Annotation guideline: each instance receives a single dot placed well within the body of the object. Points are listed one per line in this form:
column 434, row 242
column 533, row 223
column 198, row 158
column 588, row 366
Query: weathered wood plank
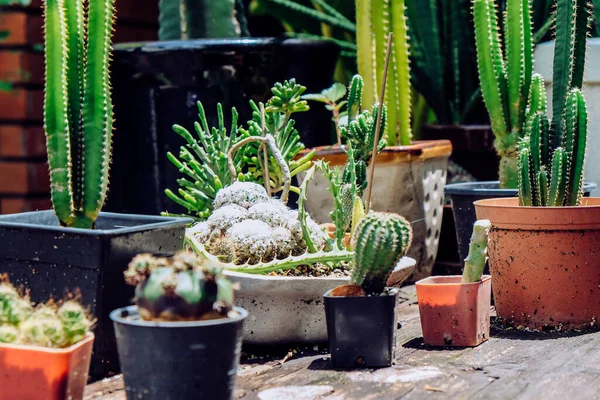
column 510, row 365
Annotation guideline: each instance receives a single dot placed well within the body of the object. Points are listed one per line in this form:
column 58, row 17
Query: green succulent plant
column 78, row 112
column 477, row 258
column 380, row 241
column 552, row 154
column 199, row 19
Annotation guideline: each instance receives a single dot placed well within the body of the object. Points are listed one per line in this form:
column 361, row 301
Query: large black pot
column 361, row 330
column 464, row 194
column 51, row 260
column 158, row 84
column 178, row 360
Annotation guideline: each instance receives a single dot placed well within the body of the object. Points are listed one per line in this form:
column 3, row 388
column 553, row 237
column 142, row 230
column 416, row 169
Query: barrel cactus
column 46, row 325
column 380, row 241
column 179, row 288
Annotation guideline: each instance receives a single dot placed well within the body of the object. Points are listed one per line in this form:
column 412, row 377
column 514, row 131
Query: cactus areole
column 78, row 112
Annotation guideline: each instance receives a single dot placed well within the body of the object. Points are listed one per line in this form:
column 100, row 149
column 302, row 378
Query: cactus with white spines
column 505, row 74
column 380, row 241
column 78, row 112
column 552, row 154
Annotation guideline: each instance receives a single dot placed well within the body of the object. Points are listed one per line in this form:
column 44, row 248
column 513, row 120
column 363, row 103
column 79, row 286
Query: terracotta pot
column 454, row 313
column 409, row 180
column 544, row 263
column 330, row 229
column 39, row 373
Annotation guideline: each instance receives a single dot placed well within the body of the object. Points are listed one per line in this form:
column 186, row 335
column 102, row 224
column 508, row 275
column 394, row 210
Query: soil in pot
column 454, row 313
column 544, row 263
column 178, row 360
column 37, row 373
column 361, row 329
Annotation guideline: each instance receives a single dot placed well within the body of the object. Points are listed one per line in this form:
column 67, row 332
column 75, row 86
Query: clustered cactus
column 475, row 261
column 45, row 325
column 179, row 288
column 552, row 154
column 380, row 241
column 201, row 19
column 249, row 227
column 505, row 75
column 78, row 113
column 204, row 160
column 374, row 20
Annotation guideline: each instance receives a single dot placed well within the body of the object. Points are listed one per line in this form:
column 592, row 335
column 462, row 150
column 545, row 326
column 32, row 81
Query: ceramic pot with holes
column 409, row 180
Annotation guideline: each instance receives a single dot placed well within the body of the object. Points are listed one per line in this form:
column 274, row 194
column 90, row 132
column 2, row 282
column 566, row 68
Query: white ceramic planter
column 544, row 56
column 285, row 309
column 409, row 180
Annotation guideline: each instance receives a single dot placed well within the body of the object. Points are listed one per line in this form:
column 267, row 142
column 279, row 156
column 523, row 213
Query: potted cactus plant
column 77, row 246
column 205, row 53
column 361, row 322
column 455, row 310
column 543, row 245
column 182, row 339
column 45, row 349
column 505, row 74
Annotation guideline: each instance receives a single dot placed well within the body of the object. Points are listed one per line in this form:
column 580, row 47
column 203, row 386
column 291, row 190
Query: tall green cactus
column 199, row 19
column 374, row 19
column 505, row 76
column 78, row 112
column 380, row 241
column 552, row 155
column 475, row 261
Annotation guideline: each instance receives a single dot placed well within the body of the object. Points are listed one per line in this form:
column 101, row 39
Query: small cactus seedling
column 475, row 261
column 46, row 325
column 552, row 154
column 78, row 113
column 179, row 288
column 380, row 241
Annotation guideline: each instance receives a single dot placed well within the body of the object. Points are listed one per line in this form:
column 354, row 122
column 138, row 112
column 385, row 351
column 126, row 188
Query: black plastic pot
column 178, row 360
column 464, row 194
column 361, row 330
column 157, row 84
column 51, row 260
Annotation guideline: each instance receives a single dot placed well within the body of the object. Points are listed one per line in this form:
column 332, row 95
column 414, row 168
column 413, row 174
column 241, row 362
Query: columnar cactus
column 78, row 113
column 552, row 155
column 374, row 19
column 47, row 325
column 475, row 261
column 178, row 288
column 201, row 19
column 380, row 241
column 505, row 76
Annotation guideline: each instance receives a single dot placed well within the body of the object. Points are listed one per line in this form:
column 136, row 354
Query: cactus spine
column 552, row 155
column 374, row 19
column 475, row 262
column 199, row 19
column 505, row 76
column 380, row 241
column 78, row 113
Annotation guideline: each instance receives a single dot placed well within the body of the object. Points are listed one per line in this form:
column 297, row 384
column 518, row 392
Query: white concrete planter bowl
column 284, row 309
column 409, row 180
column 544, row 60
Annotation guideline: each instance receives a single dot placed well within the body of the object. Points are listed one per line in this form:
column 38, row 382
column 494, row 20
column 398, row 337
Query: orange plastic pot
column 38, row 373
column 454, row 313
column 544, row 263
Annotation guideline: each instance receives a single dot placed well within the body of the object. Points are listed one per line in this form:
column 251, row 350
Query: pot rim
column 116, row 317
column 418, row 150
column 28, row 347
column 392, row 291
column 429, row 281
column 505, row 213
column 472, row 189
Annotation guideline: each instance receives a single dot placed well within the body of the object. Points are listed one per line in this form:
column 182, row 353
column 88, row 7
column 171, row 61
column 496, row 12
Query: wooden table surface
column 511, row 365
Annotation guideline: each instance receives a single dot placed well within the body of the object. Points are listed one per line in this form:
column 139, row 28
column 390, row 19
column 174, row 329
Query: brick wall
column 24, row 184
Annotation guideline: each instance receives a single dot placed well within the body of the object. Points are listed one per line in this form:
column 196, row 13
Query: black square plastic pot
column 51, row 260
column 178, row 360
column 361, row 330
